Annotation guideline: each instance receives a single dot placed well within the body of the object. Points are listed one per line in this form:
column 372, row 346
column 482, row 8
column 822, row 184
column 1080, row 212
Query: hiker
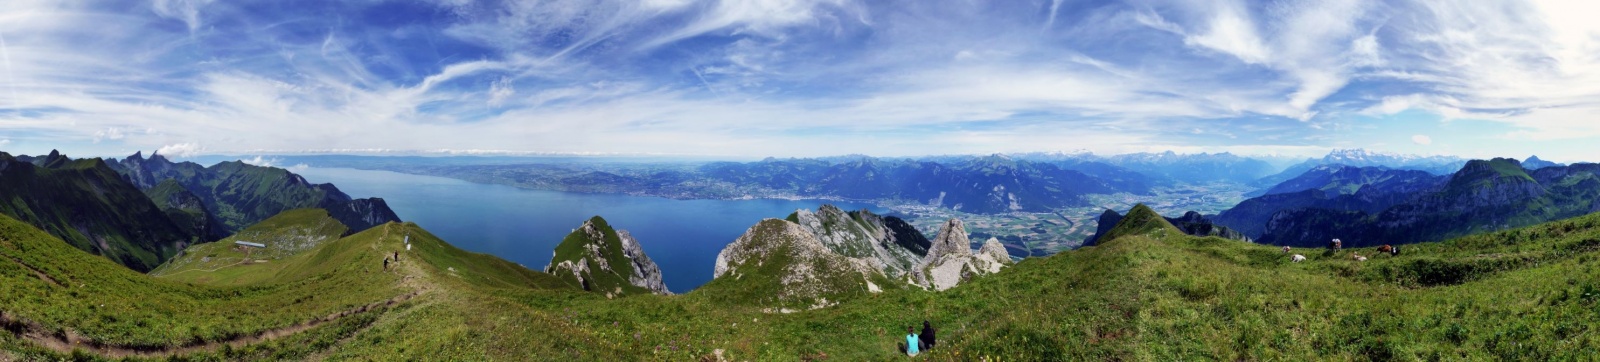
column 909, row 347
column 385, row 263
column 396, row 256
column 927, row 335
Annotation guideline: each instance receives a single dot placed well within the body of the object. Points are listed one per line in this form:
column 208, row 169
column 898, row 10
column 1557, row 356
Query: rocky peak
column 994, row 251
column 952, row 240
column 888, row 244
column 808, row 274
column 951, row 261
column 600, row 259
column 1534, row 163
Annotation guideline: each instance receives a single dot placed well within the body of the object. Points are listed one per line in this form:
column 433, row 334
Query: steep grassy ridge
column 89, row 206
column 69, row 292
column 1146, row 293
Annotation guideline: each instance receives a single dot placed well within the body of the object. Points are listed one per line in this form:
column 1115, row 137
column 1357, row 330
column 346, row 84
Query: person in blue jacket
column 910, row 346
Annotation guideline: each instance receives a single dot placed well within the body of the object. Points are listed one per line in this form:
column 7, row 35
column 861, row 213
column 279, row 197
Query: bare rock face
column 950, row 261
column 889, row 246
column 813, row 258
column 646, row 273
column 991, row 257
column 808, row 272
column 597, row 258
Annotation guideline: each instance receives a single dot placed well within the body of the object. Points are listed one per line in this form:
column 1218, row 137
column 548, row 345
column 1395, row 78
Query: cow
column 1285, row 249
column 1357, row 257
column 1386, row 249
column 1297, row 258
column 1336, row 245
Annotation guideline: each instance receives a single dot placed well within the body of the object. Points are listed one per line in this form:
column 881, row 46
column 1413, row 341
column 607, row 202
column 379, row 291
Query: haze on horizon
column 800, row 77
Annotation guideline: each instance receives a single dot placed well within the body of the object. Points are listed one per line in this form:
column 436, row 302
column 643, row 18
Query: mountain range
column 1438, row 165
column 141, row 212
column 1397, row 207
column 819, row 285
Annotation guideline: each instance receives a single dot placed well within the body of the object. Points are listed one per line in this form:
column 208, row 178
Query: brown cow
column 1392, row 251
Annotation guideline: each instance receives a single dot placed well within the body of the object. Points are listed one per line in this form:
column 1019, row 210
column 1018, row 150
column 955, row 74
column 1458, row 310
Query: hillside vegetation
column 1147, row 292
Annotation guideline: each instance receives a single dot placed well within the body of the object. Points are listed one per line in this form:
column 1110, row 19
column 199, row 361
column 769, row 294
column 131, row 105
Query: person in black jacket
column 927, row 335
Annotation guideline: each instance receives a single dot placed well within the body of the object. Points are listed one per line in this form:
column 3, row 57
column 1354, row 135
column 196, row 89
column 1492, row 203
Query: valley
column 1043, row 234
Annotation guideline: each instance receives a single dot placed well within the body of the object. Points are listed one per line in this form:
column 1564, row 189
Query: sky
column 800, row 77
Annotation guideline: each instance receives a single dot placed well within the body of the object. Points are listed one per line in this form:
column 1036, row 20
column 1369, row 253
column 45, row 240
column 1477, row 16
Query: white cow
column 1298, row 258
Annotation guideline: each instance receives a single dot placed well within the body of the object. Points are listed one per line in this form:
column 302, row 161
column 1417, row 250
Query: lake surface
column 524, row 226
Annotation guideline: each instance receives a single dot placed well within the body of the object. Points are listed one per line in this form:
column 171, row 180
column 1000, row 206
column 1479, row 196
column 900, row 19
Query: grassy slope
column 1147, row 295
column 84, row 202
column 286, row 235
column 105, row 302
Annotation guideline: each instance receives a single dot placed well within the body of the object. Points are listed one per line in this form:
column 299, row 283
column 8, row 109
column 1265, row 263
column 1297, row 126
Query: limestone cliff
column 780, row 264
column 600, row 259
column 950, row 261
column 887, row 244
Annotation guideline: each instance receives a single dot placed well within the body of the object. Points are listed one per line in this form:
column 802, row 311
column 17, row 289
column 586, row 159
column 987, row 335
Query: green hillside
column 1148, row 293
column 573, row 248
column 237, row 194
column 286, row 235
column 89, row 206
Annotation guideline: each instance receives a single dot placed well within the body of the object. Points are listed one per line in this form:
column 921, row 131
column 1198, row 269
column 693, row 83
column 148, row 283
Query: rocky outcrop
column 597, row 258
column 1107, row 220
column 888, row 244
column 360, row 214
column 832, row 254
column 1193, row 223
column 646, row 273
column 950, row 261
column 801, row 270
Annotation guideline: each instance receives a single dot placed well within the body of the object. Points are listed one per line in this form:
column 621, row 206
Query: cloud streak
column 794, row 77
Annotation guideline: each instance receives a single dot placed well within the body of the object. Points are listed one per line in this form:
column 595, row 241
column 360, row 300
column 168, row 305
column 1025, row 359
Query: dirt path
column 413, row 278
column 36, row 272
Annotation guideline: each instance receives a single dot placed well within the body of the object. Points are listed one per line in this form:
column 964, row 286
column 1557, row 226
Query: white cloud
column 4, row 142
column 1232, row 31
column 499, row 91
column 261, row 161
column 110, row 133
column 187, row 11
column 181, row 150
column 1422, row 140
column 786, row 77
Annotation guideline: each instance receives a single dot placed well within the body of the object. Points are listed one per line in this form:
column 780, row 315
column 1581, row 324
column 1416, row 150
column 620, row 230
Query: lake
column 524, row 226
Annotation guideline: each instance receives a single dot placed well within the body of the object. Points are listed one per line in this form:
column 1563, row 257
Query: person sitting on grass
column 909, row 347
column 927, row 335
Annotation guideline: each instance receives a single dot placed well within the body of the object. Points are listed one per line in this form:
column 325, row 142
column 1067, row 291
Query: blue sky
column 800, row 77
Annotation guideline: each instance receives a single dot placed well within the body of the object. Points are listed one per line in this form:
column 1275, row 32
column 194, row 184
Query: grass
column 1150, row 293
column 574, row 248
column 286, row 235
column 104, row 302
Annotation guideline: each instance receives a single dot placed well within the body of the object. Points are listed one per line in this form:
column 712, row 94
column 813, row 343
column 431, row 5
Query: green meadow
column 1148, row 293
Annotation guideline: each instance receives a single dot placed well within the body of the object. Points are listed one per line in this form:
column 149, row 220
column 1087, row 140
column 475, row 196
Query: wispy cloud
column 789, row 77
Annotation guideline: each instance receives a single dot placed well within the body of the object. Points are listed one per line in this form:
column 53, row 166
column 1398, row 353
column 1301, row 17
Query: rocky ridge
column 597, row 258
column 887, row 244
column 806, row 272
column 831, row 254
column 951, row 260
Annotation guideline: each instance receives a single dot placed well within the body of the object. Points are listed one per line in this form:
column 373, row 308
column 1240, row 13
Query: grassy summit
column 1147, row 293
